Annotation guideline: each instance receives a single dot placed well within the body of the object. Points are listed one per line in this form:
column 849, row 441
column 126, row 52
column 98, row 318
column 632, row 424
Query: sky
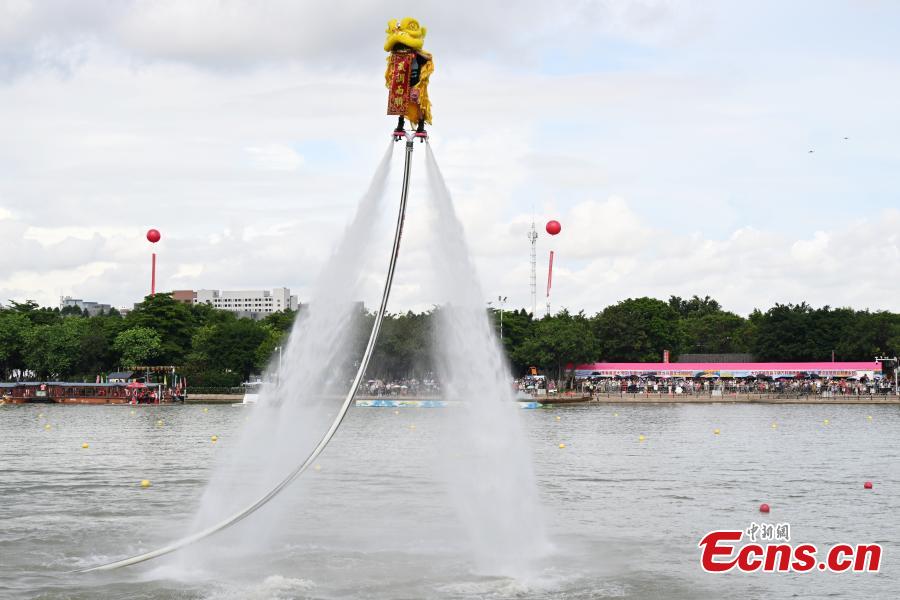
column 749, row 151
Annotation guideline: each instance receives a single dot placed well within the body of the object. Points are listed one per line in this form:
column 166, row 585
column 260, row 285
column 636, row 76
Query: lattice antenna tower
column 532, row 238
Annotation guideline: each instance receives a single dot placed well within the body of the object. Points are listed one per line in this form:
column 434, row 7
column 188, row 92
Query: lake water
column 624, row 515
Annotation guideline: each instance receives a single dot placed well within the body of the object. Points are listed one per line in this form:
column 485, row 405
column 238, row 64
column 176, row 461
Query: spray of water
column 299, row 402
column 487, row 464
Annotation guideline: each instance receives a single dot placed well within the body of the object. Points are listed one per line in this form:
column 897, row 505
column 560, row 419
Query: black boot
column 420, row 130
column 399, row 132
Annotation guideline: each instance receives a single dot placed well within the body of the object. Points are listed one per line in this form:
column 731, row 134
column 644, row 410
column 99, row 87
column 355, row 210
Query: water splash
column 487, row 463
column 317, row 365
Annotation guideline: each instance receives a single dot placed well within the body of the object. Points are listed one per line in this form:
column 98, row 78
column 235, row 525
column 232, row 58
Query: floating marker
column 716, row 431
column 825, row 421
column 145, row 483
column 47, row 426
column 413, row 426
column 763, row 508
column 869, row 417
column 558, row 418
column 641, row 438
column 868, row 485
column 214, row 438
column 132, row 411
column 318, row 467
column 562, row 445
column 85, row 445
column 396, row 412
column 159, row 423
column 40, row 415
column 615, row 414
column 205, row 410
column 774, row 425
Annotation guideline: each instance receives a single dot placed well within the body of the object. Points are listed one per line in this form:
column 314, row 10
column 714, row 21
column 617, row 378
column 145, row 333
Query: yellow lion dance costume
column 406, row 77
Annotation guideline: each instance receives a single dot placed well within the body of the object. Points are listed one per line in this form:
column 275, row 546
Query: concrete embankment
column 213, row 398
column 625, row 398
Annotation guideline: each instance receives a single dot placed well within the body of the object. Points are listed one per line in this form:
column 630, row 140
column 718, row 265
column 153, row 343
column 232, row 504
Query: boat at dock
column 64, row 392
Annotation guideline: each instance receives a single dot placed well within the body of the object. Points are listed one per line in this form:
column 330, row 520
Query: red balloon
column 553, row 227
column 763, row 508
column 868, row 485
column 153, row 236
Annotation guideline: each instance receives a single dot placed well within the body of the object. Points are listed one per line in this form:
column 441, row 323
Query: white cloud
column 246, row 132
column 275, row 157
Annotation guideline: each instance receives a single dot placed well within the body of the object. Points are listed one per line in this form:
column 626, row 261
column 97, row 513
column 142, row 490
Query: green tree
column 275, row 338
column 54, row 351
column 718, row 332
column 172, row 320
column 518, row 326
column 695, row 306
column 228, row 347
column 14, row 330
column 97, row 354
column 403, row 348
column 557, row 341
column 138, row 346
column 638, row 329
column 282, row 320
column 35, row 313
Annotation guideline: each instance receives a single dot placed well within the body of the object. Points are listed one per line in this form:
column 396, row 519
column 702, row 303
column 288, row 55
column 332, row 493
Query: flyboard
column 407, row 79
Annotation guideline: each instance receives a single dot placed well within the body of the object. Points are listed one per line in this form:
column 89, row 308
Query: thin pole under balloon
column 153, row 275
column 549, row 281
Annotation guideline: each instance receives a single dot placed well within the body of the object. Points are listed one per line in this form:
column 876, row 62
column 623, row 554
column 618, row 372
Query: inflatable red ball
column 868, row 485
column 153, row 236
column 763, row 508
column 553, row 227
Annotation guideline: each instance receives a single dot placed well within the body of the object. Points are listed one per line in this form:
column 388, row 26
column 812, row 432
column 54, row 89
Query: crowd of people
column 541, row 385
column 401, row 387
column 715, row 386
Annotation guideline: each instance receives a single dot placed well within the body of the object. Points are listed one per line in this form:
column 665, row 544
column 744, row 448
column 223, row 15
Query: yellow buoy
column 825, row 421
column 774, row 425
column 615, row 414
column 869, row 417
column 159, row 423
column 214, row 438
column 413, row 426
column 562, row 445
column 40, row 415
column 716, row 431
column 47, row 426
column 85, row 445
column 132, row 411
column 558, row 417
column 205, row 410
column 641, row 438
column 145, row 483
column 318, row 467
column 396, row 412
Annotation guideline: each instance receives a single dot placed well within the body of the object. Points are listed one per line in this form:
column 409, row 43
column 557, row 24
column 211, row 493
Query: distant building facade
column 254, row 304
column 92, row 308
column 185, row 296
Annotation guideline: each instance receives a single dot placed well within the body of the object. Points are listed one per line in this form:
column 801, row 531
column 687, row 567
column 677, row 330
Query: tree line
column 216, row 348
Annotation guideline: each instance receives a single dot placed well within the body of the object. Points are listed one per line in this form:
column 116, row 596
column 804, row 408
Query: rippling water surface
column 625, row 515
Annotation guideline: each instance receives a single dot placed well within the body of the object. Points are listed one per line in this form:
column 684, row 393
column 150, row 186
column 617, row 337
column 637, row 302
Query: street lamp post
column 501, row 300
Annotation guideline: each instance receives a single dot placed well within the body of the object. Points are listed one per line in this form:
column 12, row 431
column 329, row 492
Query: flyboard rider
column 406, row 77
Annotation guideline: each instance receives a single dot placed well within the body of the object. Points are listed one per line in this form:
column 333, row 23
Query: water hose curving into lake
column 326, row 438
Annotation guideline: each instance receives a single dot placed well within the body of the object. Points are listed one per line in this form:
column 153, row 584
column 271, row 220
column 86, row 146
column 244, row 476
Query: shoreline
column 624, row 399
column 742, row 399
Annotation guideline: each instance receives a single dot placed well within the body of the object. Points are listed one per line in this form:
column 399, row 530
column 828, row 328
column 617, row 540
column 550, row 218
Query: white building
column 252, row 303
column 93, row 308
